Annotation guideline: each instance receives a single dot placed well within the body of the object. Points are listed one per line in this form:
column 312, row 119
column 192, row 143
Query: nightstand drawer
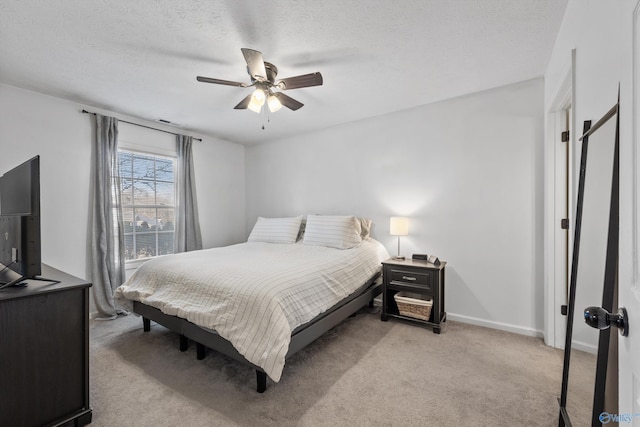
column 420, row 278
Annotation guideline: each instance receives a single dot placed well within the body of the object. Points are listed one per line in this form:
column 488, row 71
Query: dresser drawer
column 421, row 278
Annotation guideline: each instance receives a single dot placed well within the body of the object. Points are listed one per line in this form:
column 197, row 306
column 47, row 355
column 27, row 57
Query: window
column 148, row 203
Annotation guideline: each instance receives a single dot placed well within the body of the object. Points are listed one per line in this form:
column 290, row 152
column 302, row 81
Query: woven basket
column 413, row 307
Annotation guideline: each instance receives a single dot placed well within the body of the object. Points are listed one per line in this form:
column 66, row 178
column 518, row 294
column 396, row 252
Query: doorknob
column 599, row 318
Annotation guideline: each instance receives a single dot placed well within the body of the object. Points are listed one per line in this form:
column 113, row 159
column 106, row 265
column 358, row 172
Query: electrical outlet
column 14, row 254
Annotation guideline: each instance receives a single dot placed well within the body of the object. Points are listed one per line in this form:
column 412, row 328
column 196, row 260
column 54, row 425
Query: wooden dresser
column 44, row 352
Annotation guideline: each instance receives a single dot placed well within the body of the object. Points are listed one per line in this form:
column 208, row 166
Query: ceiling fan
column 263, row 77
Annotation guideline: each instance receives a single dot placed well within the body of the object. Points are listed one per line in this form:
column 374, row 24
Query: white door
column 629, row 285
column 629, row 297
column 629, row 355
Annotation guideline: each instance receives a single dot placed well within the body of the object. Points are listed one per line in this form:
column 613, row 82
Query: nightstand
column 418, row 278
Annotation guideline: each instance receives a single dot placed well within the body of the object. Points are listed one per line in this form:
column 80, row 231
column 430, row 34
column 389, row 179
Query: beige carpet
column 362, row 373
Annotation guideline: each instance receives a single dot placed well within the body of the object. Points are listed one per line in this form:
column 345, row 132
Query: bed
column 262, row 301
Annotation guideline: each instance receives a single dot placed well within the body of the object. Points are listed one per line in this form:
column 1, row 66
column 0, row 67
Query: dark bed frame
column 300, row 338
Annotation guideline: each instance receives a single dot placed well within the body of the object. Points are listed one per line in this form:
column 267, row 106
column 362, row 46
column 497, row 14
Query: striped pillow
column 276, row 230
column 341, row 232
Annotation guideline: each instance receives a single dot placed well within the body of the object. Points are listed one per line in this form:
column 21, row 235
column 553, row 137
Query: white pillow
column 276, row 230
column 341, row 232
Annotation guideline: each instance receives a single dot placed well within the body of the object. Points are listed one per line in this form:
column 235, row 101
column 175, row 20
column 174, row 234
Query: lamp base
column 398, row 257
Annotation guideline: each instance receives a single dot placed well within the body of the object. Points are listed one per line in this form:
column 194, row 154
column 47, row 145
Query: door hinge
column 563, row 309
column 564, row 223
column 565, row 136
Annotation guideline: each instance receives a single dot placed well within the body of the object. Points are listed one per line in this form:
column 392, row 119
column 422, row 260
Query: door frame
column 558, row 242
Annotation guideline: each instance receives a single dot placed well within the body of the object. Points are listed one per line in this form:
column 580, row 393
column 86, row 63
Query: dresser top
column 51, row 280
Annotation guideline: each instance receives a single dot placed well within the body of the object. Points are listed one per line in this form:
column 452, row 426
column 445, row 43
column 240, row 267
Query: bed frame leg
column 371, row 303
column 146, row 324
column 201, row 351
column 262, row 381
column 184, row 343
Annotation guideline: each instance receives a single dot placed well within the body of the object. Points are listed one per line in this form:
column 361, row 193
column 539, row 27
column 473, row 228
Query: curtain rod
column 143, row 126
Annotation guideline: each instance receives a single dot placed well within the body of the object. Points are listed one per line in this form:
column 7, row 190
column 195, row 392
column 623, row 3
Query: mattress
column 253, row 294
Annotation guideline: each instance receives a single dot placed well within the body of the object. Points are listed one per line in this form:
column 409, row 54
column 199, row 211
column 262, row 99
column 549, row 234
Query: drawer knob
column 409, row 278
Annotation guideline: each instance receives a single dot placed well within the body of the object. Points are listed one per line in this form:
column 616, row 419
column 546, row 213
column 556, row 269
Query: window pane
column 145, row 219
column 129, row 250
column 126, row 192
column 143, row 166
column 144, row 192
column 124, row 160
column 145, row 245
column 165, row 219
column 165, row 242
column 164, row 170
column 127, row 219
column 165, row 193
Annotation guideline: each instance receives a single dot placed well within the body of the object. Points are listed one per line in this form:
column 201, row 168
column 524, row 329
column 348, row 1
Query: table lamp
column 399, row 226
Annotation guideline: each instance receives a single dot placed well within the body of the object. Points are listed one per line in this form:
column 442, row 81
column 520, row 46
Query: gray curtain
column 187, row 230
column 107, row 241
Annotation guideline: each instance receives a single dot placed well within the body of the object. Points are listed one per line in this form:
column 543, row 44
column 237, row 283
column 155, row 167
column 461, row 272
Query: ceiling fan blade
column 288, row 102
column 220, row 82
column 255, row 64
column 305, row 80
column 242, row 105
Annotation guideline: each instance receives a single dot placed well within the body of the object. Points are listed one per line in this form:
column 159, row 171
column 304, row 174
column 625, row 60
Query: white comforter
column 253, row 294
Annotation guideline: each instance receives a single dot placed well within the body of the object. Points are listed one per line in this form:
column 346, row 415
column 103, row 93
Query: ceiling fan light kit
column 263, row 78
column 257, row 100
column 273, row 103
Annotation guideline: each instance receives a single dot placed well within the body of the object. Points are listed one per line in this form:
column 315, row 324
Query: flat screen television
column 20, row 223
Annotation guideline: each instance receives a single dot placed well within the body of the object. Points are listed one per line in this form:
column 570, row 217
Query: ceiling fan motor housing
column 272, row 72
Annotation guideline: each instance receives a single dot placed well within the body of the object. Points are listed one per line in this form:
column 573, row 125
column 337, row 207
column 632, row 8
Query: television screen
column 20, row 189
column 20, row 223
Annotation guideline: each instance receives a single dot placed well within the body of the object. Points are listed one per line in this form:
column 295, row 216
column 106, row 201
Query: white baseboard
column 582, row 346
column 485, row 323
column 495, row 325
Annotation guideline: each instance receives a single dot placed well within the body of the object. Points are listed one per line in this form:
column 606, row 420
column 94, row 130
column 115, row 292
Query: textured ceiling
column 140, row 58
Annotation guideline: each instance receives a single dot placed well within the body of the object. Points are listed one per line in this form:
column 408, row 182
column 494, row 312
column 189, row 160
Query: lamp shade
column 399, row 226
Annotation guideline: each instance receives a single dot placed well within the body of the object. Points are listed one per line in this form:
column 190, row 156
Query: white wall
column 468, row 172
column 32, row 123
